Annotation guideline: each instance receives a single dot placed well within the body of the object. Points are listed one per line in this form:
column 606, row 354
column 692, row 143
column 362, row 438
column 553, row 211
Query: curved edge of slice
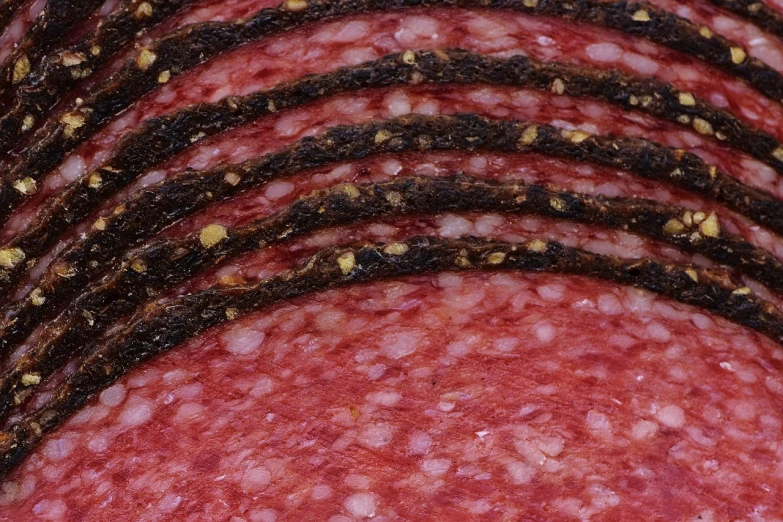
column 191, row 46
column 154, row 208
column 162, row 265
column 159, row 329
column 160, row 138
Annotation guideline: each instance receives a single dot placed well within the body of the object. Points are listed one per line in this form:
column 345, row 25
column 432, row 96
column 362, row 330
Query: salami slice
column 151, row 210
column 163, row 137
column 644, row 419
column 161, row 266
column 185, row 49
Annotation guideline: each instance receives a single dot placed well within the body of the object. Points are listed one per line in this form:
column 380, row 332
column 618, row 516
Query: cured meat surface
column 393, row 260
column 492, row 394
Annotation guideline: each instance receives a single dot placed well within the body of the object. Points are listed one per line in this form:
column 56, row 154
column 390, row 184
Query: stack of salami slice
column 396, row 260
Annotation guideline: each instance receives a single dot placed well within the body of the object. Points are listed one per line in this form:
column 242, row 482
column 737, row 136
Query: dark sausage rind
column 194, row 45
column 161, row 138
column 158, row 329
column 757, row 12
column 58, row 73
column 152, row 209
column 162, row 265
column 57, row 18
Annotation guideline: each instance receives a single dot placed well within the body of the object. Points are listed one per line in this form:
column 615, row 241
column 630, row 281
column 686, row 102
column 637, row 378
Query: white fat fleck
column 58, row 449
column 552, row 292
column 505, row 344
column 50, row 509
column 361, row 505
column 419, row 443
column 73, row 168
column 452, row 227
column 188, row 412
column 113, row 396
column 136, row 412
column 384, row 398
column 644, row 429
column 545, row 332
column 435, row 467
column 610, row 305
column 458, row 349
column 398, row 104
column 671, row 416
column 658, row 332
column 482, row 434
column 169, row 502
column 397, row 345
column 321, row 492
column 598, row 422
column 640, row 64
column 376, row 435
column 604, row 52
column 520, row 472
column 242, row 340
column 256, row 479
column 278, row 189
column 376, row 372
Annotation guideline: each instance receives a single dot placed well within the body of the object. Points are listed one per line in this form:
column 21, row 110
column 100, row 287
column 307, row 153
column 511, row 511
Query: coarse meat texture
column 451, row 396
column 391, row 260
column 365, row 37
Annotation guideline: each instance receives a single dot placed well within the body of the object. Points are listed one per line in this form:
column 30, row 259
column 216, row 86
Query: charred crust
column 161, row 265
column 152, row 209
column 160, row 138
column 160, row 328
column 188, row 47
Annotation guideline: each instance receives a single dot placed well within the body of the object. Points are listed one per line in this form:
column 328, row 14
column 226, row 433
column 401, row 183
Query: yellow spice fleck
column 394, row 198
column 139, row 266
column 687, row 99
column 31, row 379
column 73, row 121
column 778, row 153
column 557, row 204
column 558, row 86
column 10, row 257
column 95, row 50
column 144, row 9
column 346, row 262
column 463, row 262
column 743, row 290
column 232, row 178
column 530, row 3
column 496, row 258
column 702, row 126
column 706, row 32
column 145, row 59
column 381, row 136
column 692, row 274
column 396, row 249
column 641, row 16
column 536, row 246
column 28, row 123
column 100, row 224
column 21, row 69
column 698, row 217
column 710, row 227
column 64, row 270
column 231, row 313
column 529, row 135
column 295, row 5
column 213, row 234
column 409, row 57
column 575, row 136
column 26, row 186
column 687, row 218
column 351, row 191
column 674, row 226
column 95, row 180
column 37, row 297
column 738, row 55
column 164, row 77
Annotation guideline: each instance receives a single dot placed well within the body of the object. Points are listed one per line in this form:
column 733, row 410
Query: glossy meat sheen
column 405, row 429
